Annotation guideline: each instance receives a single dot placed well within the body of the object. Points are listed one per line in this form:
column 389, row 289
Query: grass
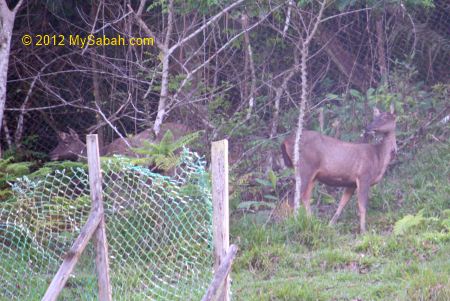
column 305, row 259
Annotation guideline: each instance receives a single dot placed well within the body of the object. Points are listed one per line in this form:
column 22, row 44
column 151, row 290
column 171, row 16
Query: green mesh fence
column 159, row 232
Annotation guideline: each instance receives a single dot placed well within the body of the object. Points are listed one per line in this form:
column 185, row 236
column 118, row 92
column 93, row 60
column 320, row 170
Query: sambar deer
column 70, row 146
column 355, row 166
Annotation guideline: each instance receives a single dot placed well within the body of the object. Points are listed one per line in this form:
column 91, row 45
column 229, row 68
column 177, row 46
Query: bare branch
column 224, row 46
column 201, row 28
column 145, row 28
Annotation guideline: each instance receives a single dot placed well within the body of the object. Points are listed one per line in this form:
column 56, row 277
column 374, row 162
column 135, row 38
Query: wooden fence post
column 100, row 242
column 217, row 284
column 219, row 164
column 94, row 227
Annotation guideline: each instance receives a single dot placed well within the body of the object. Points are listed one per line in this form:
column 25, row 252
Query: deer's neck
column 387, row 149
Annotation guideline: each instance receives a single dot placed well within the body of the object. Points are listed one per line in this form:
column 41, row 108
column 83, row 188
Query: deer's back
column 334, row 162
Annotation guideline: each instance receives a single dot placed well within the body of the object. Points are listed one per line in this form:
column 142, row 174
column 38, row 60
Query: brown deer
column 355, row 166
column 70, row 146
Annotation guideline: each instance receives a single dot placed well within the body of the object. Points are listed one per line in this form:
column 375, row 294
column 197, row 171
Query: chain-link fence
column 159, row 232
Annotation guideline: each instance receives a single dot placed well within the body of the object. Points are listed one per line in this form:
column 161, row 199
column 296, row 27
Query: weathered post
column 100, row 242
column 219, row 164
column 95, row 226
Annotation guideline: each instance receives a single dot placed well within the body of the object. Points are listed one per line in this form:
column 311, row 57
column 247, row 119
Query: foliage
column 415, row 106
column 261, row 192
column 163, row 155
column 9, row 171
column 426, row 229
column 26, row 150
column 53, row 166
column 409, row 221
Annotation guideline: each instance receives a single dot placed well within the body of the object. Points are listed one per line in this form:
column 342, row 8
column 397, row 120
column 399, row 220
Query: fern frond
column 162, row 154
column 167, row 139
column 408, row 222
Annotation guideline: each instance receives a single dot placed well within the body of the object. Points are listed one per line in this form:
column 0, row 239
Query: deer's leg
column 307, row 188
column 346, row 196
column 363, row 195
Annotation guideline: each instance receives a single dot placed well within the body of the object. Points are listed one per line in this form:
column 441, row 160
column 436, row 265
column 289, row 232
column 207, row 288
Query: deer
column 354, row 166
column 70, row 146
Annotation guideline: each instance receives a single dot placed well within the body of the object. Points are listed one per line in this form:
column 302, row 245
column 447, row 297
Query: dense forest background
column 228, row 68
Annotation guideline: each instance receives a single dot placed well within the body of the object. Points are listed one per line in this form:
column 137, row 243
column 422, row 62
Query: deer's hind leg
column 307, row 188
column 346, row 196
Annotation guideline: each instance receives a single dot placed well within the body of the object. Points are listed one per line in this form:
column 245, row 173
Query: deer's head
column 383, row 122
column 69, row 147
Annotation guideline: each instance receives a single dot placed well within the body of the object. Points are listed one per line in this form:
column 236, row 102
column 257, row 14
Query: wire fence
column 159, row 232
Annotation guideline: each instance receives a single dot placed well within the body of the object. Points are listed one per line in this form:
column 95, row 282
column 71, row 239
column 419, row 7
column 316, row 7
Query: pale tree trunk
column 164, row 94
column 165, row 72
column 7, row 17
column 96, row 79
column 304, row 87
column 248, row 47
column 276, row 108
column 298, row 133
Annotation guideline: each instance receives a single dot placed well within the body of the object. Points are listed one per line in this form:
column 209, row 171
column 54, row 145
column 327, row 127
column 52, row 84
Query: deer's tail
column 286, row 156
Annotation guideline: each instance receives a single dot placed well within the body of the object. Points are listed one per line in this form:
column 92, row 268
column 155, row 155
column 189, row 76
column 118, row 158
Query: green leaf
column 264, row 182
column 273, row 179
column 355, row 93
column 270, row 197
column 408, row 222
column 332, row 96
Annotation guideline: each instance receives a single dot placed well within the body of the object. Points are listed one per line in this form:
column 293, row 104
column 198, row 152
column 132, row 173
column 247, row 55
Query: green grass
column 305, row 259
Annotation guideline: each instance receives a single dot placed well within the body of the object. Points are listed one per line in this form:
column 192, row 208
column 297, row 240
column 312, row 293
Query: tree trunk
column 251, row 64
column 298, row 133
column 96, row 81
column 165, row 71
column 7, row 17
column 7, row 23
column 164, row 94
column 304, row 86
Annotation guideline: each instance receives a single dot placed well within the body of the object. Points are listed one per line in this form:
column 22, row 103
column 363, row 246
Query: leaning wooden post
column 219, row 164
column 101, row 246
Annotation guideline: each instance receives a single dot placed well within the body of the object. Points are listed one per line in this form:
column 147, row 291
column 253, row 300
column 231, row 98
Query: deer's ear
column 62, row 135
column 392, row 108
column 376, row 112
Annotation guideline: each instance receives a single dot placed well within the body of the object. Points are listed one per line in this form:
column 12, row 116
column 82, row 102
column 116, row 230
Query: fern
column 163, row 154
column 408, row 222
column 446, row 224
column 9, row 171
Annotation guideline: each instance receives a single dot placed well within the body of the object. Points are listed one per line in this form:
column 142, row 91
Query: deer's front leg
column 363, row 195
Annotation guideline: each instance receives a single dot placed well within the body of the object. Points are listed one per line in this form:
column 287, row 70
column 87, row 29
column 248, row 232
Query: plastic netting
column 159, row 232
